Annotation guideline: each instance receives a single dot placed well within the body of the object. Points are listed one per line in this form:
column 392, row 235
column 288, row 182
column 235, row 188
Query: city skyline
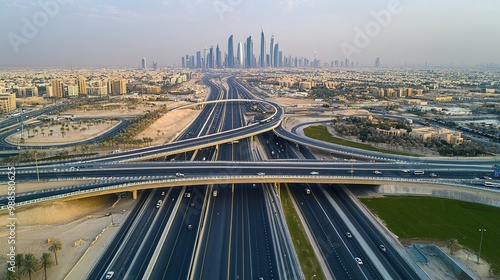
column 67, row 33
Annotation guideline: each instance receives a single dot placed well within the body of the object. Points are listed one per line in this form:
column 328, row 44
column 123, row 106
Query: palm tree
column 54, row 247
column 454, row 246
column 31, row 264
column 16, row 274
column 46, row 261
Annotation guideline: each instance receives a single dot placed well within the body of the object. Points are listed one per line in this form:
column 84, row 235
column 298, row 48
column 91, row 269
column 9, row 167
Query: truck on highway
column 419, row 172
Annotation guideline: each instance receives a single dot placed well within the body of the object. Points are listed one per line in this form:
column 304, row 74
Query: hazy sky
column 121, row 32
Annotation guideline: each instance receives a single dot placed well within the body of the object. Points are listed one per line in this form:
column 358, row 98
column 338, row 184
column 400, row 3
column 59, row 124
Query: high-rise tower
column 271, row 52
column 276, row 55
column 249, row 53
column 230, row 52
column 144, row 64
column 262, row 49
column 218, row 59
column 239, row 57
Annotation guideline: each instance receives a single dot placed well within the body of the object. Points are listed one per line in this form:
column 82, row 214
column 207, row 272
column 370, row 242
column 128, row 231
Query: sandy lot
column 169, row 125
column 83, row 131
column 75, row 223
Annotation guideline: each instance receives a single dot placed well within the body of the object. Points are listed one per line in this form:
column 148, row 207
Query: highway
column 243, row 225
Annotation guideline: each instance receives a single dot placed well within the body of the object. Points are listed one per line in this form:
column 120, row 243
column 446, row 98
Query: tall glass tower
column 262, row 49
column 249, row 53
column 230, row 52
column 271, row 52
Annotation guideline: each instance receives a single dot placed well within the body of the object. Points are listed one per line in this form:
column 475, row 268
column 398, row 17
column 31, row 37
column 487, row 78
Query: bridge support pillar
column 134, row 194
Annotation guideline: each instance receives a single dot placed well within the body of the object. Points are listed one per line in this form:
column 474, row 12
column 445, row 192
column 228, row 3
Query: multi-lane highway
column 187, row 231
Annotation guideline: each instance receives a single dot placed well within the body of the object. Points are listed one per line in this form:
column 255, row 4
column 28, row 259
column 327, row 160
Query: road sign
column 496, row 170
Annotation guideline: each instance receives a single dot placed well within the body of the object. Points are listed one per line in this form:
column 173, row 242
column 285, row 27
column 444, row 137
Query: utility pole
column 482, row 230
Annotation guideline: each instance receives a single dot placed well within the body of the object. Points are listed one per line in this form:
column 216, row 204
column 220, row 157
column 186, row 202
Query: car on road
column 487, row 177
column 350, row 171
column 314, row 173
column 382, row 248
column 261, row 173
column 190, row 227
column 348, row 234
column 110, row 274
column 433, row 175
column 376, row 172
column 187, row 194
column 358, row 260
column 178, row 174
column 308, row 191
column 162, row 193
column 158, row 204
column 405, row 170
column 476, row 178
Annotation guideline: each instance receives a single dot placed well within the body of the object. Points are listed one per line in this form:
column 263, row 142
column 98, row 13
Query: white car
column 261, row 173
column 110, row 274
column 433, row 175
column 314, row 173
column 405, row 170
column 376, row 172
column 358, row 260
column 179, row 174
column 382, row 248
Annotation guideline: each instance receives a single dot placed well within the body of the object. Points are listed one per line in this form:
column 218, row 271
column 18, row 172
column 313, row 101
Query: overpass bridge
column 116, row 178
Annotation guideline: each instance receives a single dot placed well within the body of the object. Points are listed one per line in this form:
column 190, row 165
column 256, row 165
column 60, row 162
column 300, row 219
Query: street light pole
column 482, row 230
column 313, row 276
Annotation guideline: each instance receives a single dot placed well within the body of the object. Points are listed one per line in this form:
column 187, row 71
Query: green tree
column 54, row 247
column 46, row 261
column 454, row 246
column 31, row 265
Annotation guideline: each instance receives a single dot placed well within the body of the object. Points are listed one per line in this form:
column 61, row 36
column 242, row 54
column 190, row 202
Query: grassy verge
column 441, row 219
column 308, row 262
column 321, row 133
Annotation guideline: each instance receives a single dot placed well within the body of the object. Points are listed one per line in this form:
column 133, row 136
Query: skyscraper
column 218, row 59
column 205, row 58
column 262, row 49
column 155, row 65
column 210, row 59
column 276, row 55
column 377, row 62
column 271, row 52
column 198, row 59
column 230, row 52
column 144, row 64
column 240, row 57
column 249, row 53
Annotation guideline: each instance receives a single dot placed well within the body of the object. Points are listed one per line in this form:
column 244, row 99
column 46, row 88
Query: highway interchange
column 188, row 232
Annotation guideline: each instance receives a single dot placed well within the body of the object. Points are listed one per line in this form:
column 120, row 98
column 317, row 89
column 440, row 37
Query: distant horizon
column 66, row 33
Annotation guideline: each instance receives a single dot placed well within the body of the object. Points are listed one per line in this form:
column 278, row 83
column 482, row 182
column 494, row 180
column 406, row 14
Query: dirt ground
column 75, row 223
column 167, row 127
column 90, row 130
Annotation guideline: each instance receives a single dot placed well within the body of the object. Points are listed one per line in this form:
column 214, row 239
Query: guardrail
column 249, row 178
